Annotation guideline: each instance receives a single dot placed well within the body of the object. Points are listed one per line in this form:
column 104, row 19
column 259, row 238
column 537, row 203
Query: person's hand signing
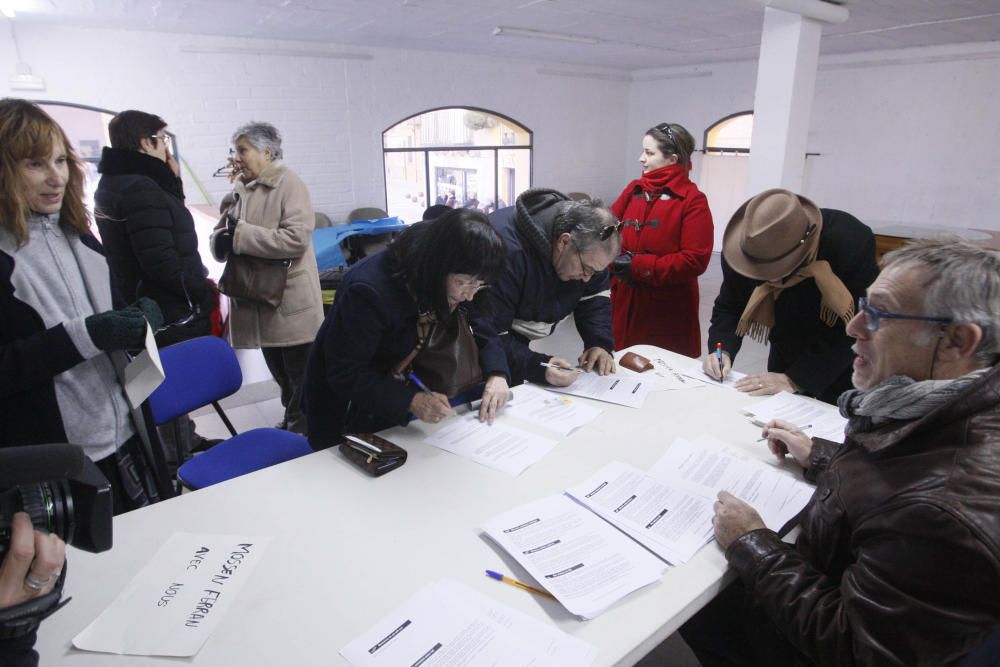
column 733, row 519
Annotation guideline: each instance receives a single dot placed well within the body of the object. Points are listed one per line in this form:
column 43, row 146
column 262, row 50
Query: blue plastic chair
column 203, row 371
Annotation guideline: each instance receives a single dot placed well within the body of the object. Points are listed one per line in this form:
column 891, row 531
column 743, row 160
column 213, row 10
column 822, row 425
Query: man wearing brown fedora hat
column 791, row 274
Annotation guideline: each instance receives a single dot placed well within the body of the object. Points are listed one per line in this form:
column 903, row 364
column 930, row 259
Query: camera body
column 62, row 491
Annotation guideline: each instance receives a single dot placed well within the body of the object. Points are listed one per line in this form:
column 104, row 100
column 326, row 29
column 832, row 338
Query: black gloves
column 222, row 243
column 124, row 329
column 621, row 266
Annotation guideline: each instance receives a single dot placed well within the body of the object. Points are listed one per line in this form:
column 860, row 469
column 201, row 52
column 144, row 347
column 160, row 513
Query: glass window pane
column 732, row 132
column 462, row 178
column 405, row 185
column 515, row 175
column 456, row 127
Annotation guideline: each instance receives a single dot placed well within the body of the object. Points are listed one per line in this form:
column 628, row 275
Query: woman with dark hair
column 63, row 330
column 666, row 244
column 382, row 327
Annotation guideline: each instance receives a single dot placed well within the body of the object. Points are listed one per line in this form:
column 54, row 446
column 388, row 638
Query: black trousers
column 731, row 632
column 288, row 367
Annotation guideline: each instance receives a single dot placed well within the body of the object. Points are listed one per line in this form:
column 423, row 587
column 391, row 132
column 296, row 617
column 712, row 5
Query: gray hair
column 583, row 221
column 963, row 285
column 263, row 136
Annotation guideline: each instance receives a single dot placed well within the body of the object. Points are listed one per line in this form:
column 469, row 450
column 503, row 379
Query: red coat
column 671, row 236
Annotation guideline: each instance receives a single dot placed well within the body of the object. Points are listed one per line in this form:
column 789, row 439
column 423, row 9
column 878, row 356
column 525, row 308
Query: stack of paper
column 499, row 446
column 670, row 519
column 620, row 389
column 712, row 466
column 695, row 372
column 554, row 412
column 813, row 418
column 583, row 561
column 447, row 623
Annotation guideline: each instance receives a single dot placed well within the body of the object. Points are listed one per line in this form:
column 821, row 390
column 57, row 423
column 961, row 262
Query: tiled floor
column 256, row 405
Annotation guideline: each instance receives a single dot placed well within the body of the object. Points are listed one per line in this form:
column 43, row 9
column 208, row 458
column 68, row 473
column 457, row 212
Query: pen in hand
column 561, row 368
column 424, row 388
column 514, row 582
column 797, row 429
column 718, row 355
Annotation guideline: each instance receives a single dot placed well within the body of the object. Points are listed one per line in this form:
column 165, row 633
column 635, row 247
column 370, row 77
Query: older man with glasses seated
column 898, row 560
column 558, row 252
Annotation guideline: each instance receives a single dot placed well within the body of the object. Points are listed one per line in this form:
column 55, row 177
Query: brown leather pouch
column 373, row 454
column 635, row 362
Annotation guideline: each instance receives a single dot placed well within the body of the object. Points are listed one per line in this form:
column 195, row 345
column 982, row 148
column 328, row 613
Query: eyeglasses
column 472, row 284
column 165, row 138
column 873, row 316
column 588, row 271
column 192, row 311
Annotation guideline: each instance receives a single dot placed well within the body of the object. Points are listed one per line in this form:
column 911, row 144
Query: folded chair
column 203, row 371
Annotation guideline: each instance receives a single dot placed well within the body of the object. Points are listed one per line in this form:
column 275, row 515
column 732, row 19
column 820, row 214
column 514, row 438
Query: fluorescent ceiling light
column 505, row 31
column 7, row 9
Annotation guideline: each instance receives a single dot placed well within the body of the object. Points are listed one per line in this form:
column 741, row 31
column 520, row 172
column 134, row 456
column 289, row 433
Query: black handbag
column 255, row 278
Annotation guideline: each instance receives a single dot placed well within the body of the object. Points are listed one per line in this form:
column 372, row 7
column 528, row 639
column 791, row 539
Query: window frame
column 427, row 150
column 720, row 150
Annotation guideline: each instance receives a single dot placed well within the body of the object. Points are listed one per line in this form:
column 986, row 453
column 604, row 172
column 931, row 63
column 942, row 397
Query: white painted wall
column 904, row 136
column 330, row 112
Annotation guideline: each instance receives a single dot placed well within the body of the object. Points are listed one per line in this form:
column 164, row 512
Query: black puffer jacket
column 898, row 561
column 150, row 239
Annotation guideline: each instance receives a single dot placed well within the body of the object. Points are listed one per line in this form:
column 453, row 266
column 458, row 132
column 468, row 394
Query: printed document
column 625, row 390
column 696, row 372
column 172, row 606
column 583, row 561
column 554, row 412
column 670, row 518
column 499, row 446
column 815, row 419
column 712, row 466
column 449, row 624
column 144, row 372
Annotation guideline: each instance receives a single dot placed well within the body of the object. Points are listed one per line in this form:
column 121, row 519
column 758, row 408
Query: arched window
column 458, row 156
column 730, row 134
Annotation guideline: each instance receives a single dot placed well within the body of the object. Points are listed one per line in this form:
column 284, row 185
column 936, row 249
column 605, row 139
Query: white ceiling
column 633, row 34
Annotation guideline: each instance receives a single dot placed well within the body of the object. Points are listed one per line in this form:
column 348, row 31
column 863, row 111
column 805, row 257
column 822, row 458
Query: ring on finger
column 36, row 584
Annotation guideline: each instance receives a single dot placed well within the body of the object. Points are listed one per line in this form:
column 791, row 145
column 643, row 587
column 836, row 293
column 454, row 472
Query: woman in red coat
column 666, row 244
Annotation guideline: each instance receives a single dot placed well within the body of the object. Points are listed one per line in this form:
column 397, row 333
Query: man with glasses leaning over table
column 558, row 251
column 898, row 561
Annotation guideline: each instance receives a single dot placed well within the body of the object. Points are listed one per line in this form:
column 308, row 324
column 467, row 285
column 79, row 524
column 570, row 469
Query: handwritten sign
column 172, row 606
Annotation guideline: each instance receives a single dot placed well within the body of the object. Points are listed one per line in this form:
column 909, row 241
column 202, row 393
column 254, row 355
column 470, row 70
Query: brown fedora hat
column 771, row 234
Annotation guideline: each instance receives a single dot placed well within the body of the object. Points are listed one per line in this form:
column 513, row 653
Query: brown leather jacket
column 898, row 561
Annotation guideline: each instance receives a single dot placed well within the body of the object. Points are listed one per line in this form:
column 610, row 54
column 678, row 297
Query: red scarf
column 656, row 181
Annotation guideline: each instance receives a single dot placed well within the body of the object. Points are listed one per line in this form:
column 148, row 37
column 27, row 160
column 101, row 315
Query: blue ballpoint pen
column 718, row 354
column 417, row 381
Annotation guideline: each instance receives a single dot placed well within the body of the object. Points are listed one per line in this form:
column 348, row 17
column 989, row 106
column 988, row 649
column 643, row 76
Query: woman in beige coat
column 272, row 218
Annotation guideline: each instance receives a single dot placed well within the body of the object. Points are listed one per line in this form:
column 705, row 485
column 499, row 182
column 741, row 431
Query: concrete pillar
column 786, row 78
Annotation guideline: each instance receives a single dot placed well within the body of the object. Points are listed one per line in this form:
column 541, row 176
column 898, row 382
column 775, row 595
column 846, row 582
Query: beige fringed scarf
column 837, row 302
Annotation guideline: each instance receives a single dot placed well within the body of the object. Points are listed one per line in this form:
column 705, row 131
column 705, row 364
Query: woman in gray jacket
column 272, row 218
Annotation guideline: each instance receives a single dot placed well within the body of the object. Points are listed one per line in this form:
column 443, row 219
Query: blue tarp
column 327, row 240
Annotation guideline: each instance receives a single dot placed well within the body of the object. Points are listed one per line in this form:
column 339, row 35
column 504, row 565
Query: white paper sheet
column 500, row 446
column 582, row 560
column 619, row 389
column 814, row 418
column 670, row 519
column 447, row 623
column 696, row 372
column 144, row 373
column 554, row 412
column 172, row 606
column 708, row 464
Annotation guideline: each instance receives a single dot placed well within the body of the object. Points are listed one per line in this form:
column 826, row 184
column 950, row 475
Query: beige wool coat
column 276, row 222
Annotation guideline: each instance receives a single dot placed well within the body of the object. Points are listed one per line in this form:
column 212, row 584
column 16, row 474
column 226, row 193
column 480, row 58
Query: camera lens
column 49, row 505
